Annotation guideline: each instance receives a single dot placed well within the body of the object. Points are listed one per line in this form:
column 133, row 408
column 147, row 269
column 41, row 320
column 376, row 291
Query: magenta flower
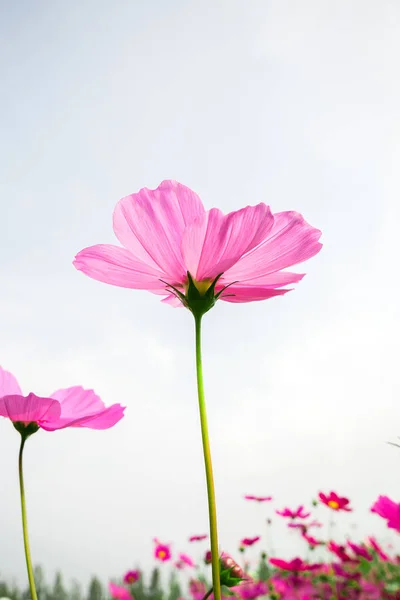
column 119, row 592
column 162, row 551
column 70, row 407
column 334, row 501
column 258, row 498
column 360, row 551
column 312, row 541
column 249, row 590
column 131, row 577
column 184, row 558
column 198, row 538
column 389, row 510
column 339, row 551
column 296, row 565
column 207, row 557
column 293, row 514
column 168, row 238
column 372, row 543
column 249, row 541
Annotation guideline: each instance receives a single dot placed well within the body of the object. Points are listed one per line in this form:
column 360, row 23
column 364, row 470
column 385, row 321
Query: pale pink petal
column 215, row 242
column 151, row 224
column 117, row 266
column 84, row 408
column 272, row 280
column 8, row 384
column 29, row 409
column 235, row 293
column 290, row 241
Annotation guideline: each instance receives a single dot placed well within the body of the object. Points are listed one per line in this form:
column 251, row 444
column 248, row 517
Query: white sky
column 294, row 104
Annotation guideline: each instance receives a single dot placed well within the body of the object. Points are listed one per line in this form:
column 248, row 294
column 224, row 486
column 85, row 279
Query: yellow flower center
column 333, row 504
column 162, row 554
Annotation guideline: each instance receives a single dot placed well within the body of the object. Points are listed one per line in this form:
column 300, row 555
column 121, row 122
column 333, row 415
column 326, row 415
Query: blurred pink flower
column 197, row 589
column 198, row 538
column 258, row 498
column 293, row 514
column 249, row 541
column 131, row 577
column 372, row 543
column 339, row 551
column 389, row 510
column 359, row 550
column 70, row 407
column 249, row 590
column 334, row 501
column 119, row 592
column 207, row 557
column 312, row 541
column 166, row 233
column 296, row 565
column 162, row 551
column 187, row 560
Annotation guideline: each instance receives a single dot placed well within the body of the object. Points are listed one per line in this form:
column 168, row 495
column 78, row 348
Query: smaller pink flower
column 389, row 510
column 296, row 565
column 334, row 501
column 249, row 541
column 258, row 498
column 359, row 550
column 312, row 541
column 184, row 558
column 198, row 538
column 372, row 543
column 162, row 552
column 119, row 592
column 131, row 577
column 293, row 514
column 339, row 551
column 207, row 557
column 302, row 526
column 197, row 589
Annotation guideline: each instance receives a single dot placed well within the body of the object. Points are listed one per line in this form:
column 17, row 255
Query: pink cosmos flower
column 119, row 592
column 166, row 233
column 293, row 514
column 184, row 558
column 296, row 565
column 359, row 550
column 197, row 589
column 334, row 501
column 372, row 543
column 389, row 510
column 312, row 541
column 162, row 551
column 249, row 541
column 340, row 551
column 70, row 407
column 258, row 498
column 198, row 538
column 249, row 590
column 131, row 577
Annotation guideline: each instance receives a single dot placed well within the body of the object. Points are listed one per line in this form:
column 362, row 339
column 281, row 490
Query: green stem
column 210, row 591
column 212, row 510
column 25, row 522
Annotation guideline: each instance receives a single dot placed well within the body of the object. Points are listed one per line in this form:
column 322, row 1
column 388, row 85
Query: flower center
column 162, row 554
column 202, row 286
column 333, row 504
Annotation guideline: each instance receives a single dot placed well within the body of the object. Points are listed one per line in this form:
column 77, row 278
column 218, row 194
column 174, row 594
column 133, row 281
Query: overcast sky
column 295, row 104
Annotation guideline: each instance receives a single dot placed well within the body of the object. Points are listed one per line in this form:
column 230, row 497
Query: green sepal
column 227, row 579
column 26, row 429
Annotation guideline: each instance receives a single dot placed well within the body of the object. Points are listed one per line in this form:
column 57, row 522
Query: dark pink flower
column 249, row 590
column 312, row 541
column 249, row 541
column 334, row 501
column 70, row 407
column 372, row 543
column 389, row 510
column 184, row 558
column 207, row 557
column 302, row 526
column 293, row 514
column 166, row 233
column 131, row 577
column 296, row 565
column 258, row 498
column 339, row 551
column 359, row 550
column 162, row 551
column 198, row 538
column 119, row 592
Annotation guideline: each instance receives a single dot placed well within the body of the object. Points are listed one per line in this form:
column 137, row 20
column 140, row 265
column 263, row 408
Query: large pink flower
column 166, row 233
column 70, row 407
column 119, row 592
column 389, row 510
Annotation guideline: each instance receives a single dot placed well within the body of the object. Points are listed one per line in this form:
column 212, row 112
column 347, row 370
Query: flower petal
column 290, row 241
column 151, row 224
column 117, row 266
column 236, row 293
column 29, row 409
column 8, row 384
column 84, row 408
column 215, row 242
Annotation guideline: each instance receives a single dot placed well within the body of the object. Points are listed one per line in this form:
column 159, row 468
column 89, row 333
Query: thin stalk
column 25, row 522
column 210, row 591
column 212, row 510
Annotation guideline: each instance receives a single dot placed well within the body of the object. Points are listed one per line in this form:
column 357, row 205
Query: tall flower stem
column 212, row 510
column 25, row 521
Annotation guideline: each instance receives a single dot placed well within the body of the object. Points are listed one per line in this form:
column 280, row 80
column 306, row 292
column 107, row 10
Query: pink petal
column 8, row 384
column 29, row 409
column 215, row 242
column 236, row 293
column 117, row 266
column 290, row 241
column 272, row 280
column 151, row 224
column 83, row 408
